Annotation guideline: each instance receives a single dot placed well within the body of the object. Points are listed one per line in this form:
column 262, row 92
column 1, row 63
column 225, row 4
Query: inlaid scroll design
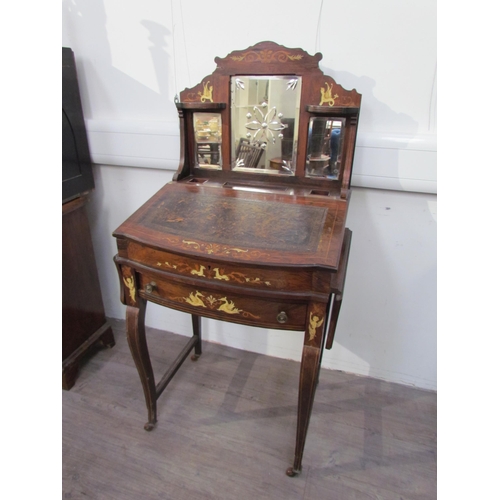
column 167, row 264
column 211, row 248
column 267, row 56
column 215, row 249
column 223, row 304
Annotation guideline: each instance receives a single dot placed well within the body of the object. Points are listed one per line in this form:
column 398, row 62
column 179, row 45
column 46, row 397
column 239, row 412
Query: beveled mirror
column 264, row 123
column 269, row 119
column 324, row 146
column 208, row 138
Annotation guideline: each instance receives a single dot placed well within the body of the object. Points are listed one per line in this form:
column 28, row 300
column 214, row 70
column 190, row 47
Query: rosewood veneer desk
column 252, row 228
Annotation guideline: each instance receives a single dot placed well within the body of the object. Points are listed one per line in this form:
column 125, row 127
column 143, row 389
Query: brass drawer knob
column 150, row 287
column 282, row 317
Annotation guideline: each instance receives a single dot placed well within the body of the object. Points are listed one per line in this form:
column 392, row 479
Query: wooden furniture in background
column 248, row 154
column 264, row 247
column 83, row 320
column 84, row 323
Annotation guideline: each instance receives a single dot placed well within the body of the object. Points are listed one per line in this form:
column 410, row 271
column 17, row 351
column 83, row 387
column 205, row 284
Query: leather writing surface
column 249, row 223
column 240, row 226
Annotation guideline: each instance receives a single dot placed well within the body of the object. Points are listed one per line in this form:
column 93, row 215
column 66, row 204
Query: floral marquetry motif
column 213, row 248
column 267, row 53
column 267, row 56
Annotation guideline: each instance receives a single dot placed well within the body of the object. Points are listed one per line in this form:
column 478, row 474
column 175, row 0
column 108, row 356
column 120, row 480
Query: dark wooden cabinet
column 77, row 177
column 83, row 321
column 252, row 228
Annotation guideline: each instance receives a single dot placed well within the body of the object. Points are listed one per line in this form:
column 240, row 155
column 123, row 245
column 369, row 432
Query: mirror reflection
column 208, row 136
column 264, row 118
column 324, row 147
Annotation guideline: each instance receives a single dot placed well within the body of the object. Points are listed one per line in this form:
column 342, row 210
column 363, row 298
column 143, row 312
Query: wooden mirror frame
column 320, row 96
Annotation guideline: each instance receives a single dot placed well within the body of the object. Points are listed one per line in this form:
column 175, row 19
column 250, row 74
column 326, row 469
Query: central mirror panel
column 265, row 123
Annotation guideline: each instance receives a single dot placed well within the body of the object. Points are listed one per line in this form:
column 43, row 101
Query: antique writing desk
column 252, row 228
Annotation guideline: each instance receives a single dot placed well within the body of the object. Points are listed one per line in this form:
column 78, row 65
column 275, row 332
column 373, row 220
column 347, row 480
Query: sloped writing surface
column 251, row 223
column 240, row 226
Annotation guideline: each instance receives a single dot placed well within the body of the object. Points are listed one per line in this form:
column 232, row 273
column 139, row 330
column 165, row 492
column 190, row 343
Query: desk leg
column 309, row 372
column 136, row 336
column 196, row 332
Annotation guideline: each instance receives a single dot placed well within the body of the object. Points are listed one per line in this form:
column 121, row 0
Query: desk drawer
column 268, row 278
column 202, row 301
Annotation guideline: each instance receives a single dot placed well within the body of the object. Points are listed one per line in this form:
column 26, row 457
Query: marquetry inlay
column 204, row 95
column 315, row 321
column 205, row 271
column 207, row 92
column 326, row 95
column 267, row 56
column 223, row 304
column 130, row 284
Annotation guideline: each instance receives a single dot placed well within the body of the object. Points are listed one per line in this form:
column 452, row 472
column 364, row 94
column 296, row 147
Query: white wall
column 132, row 58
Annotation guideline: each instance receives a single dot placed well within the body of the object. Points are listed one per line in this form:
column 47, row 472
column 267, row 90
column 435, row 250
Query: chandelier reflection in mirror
column 265, row 116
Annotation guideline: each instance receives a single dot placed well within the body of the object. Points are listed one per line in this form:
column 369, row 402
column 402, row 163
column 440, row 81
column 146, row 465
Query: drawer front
column 247, row 276
column 244, row 309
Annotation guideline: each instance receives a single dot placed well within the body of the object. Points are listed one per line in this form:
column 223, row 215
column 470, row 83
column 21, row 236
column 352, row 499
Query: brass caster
column 148, row 426
column 195, row 357
column 291, row 472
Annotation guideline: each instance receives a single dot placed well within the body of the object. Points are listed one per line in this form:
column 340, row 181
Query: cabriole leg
column 136, row 336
